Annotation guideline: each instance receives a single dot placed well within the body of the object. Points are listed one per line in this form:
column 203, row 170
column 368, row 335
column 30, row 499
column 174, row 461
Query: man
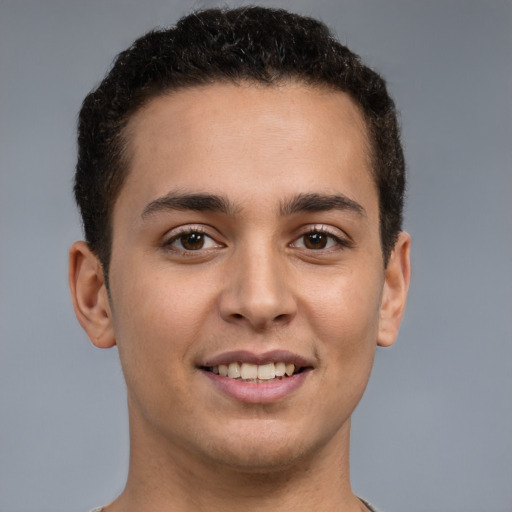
column 240, row 179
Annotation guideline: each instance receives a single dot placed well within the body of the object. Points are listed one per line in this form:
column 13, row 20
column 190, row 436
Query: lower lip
column 257, row 392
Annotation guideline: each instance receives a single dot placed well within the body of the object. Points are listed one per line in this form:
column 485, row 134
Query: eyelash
column 340, row 242
column 184, row 231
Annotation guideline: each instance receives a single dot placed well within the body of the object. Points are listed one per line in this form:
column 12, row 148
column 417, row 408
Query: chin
column 260, row 462
column 267, row 450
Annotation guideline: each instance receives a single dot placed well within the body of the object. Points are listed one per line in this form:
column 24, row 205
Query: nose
column 258, row 290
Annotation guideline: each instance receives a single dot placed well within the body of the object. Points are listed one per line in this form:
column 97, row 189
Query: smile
column 257, row 378
column 255, row 372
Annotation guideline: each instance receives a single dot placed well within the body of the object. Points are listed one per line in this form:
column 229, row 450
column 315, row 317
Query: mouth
column 256, row 373
column 257, row 378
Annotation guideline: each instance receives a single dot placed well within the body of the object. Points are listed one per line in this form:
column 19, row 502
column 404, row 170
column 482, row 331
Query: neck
column 169, row 479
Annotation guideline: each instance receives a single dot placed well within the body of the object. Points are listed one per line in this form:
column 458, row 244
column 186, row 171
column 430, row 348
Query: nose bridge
column 258, row 287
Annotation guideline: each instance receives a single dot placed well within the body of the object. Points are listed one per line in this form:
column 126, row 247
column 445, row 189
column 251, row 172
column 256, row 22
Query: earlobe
column 394, row 294
column 89, row 295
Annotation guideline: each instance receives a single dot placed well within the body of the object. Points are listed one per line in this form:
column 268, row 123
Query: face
column 246, row 242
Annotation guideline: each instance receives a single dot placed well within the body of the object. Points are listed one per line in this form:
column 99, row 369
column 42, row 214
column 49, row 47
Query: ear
column 89, row 294
column 394, row 293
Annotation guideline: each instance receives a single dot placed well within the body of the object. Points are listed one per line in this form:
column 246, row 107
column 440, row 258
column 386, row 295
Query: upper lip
column 244, row 356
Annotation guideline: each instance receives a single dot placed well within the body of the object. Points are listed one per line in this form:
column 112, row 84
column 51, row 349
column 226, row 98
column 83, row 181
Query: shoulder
column 369, row 506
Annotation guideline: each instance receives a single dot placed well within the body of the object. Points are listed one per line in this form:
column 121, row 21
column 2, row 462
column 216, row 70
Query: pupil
column 316, row 241
column 192, row 241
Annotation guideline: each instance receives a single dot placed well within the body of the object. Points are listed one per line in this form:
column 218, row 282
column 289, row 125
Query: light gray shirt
column 368, row 506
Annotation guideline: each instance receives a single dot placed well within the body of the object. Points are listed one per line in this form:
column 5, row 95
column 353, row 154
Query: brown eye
column 192, row 241
column 315, row 240
column 319, row 240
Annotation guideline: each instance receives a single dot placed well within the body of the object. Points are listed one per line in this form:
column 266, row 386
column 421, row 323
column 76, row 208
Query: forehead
column 209, row 136
column 297, row 108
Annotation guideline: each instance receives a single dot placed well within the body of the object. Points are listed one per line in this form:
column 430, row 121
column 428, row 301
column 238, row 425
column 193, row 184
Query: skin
column 257, row 284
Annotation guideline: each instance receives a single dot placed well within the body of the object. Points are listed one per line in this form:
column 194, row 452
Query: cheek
column 158, row 316
column 348, row 302
column 157, row 321
column 345, row 316
column 159, row 301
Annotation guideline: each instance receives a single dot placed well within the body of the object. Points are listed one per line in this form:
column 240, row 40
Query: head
column 241, row 180
column 251, row 44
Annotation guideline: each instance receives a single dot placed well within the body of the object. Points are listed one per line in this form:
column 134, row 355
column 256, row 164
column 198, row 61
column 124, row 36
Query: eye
column 319, row 239
column 316, row 240
column 192, row 240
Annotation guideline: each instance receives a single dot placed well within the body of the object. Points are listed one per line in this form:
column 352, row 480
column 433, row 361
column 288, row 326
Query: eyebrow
column 299, row 203
column 321, row 202
column 194, row 202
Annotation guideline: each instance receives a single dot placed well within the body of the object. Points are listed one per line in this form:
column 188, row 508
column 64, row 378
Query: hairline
column 293, row 79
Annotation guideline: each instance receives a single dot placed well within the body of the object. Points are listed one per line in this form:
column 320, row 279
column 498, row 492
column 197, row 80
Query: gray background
column 434, row 432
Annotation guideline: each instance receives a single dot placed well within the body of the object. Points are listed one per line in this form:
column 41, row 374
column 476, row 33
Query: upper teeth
column 249, row 371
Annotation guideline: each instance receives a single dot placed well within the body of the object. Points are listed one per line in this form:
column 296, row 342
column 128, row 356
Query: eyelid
column 174, row 234
column 338, row 235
